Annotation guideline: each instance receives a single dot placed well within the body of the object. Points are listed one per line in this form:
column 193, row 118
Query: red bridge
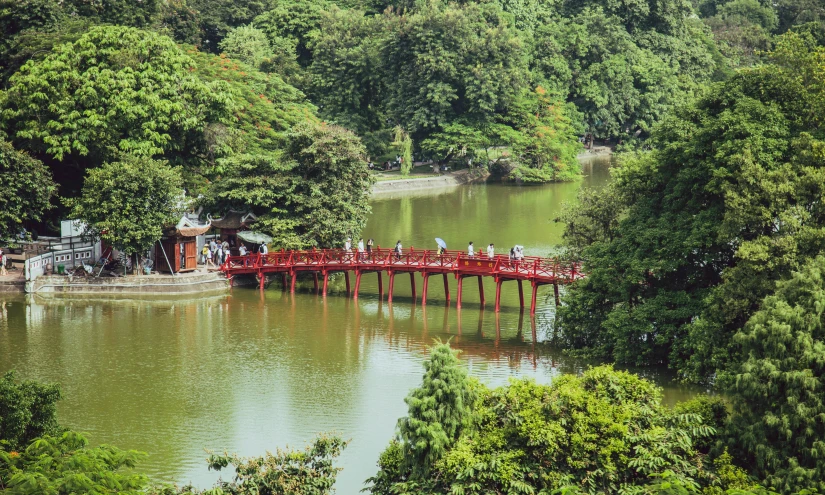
column 538, row 271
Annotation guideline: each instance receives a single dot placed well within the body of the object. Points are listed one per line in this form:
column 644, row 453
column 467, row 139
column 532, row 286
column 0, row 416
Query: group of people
column 215, row 253
column 363, row 250
column 516, row 252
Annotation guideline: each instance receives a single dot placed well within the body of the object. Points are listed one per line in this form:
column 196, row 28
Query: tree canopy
column 776, row 388
column 26, row 188
column 727, row 203
column 128, row 203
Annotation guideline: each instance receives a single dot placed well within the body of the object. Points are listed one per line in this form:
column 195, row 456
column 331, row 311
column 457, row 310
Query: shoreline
column 460, row 177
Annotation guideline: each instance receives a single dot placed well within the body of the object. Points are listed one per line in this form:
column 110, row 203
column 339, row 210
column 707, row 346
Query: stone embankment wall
column 194, row 283
column 412, row 184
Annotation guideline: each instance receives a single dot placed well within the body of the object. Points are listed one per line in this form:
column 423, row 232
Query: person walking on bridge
column 360, row 249
column 263, row 249
column 398, row 250
column 470, row 251
column 369, row 246
column 491, row 251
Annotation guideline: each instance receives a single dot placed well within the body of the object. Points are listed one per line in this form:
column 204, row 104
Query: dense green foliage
column 312, row 194
column 26, row 186
column 728, row 202
column 128, row 203
column 603, row 432
column 115, row 90
column 295, row 472
column 777, row 388
column 27, row 410
column 438, row 411
column 66, row 465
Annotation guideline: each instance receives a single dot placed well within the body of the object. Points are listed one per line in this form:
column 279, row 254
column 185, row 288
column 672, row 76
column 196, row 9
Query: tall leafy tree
column 438, row 411
column 26, row 188
column 313, row 193
column 115, row 90
column 217, row 17
column 727, row 203
column 247, row 44
column 777, row 388
column 129, row 202
column 451, row 61
column 347, row 77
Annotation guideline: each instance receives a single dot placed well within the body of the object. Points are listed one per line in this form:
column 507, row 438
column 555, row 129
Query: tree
column 603, row 432
column 247, row 44
column 65, row 464
column 308, row 472
column 449, row 62
column 346, row 76
column 218, row 17
column 438, row 411
column 726, row 204
column 297, row 21
column 27, row 410
column 403, row 144
column 26, row 188
column 548, row 147
column 128, row 203
column 115, row 90
column 776, row 388
column 313, row 193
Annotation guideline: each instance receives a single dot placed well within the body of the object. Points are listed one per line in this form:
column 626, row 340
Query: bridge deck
column 538, row 271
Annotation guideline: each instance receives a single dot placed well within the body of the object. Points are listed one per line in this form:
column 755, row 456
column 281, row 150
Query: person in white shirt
column 263, row 249
column 242, row 250
column 348, row 245
column 470, row 251
column 398, row 250
column 491, row 251
column 360, row 248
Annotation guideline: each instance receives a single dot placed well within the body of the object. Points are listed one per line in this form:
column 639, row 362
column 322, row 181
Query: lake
column 250, row 371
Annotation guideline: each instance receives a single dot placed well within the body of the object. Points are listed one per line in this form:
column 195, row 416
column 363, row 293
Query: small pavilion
column 178, row 247
column 232, row 223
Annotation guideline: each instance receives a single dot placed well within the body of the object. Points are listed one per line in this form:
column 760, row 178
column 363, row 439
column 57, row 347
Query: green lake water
column 251, row 371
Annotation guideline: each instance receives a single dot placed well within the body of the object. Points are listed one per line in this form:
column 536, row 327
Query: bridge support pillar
column 381, row 285
column 326, row 282
column 293, row 277
column 424, row 289
column 392, row 283
column 357, row 283
column 498, row 295
column 481, row 290
column 412, row 285
column 262, row 278
column 556, row 293
column 533, row 300
column 458, row 292
column 520, row 294
column 346, row 278
column 446, row 288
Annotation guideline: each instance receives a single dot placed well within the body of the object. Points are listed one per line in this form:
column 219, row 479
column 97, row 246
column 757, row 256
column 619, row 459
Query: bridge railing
column 248, row 262
column 527, row 267
column 280, row 258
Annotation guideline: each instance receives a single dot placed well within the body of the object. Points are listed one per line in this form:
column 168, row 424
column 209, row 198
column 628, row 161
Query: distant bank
column 459, row 177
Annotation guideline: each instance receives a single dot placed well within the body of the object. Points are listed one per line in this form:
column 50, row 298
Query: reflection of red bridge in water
column 538, row 271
